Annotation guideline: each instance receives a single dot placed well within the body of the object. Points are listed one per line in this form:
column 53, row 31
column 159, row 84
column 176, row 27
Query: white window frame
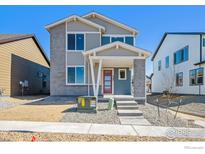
column 75, row 41
column 67, row 83
column 119, row 35
column 119, row 78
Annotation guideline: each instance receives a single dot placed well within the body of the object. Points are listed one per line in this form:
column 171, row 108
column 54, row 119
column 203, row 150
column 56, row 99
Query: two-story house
column 95, row 55
column 178, row 63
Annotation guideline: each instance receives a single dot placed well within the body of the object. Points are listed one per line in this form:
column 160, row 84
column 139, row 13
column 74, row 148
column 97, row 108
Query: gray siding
column 79, row 26
column 122, row 87
column 23, row 69
column 110, row 28
column 139, row 78
column 92, row 40
column 116, row 52
column 58, row 75
column 75, row 58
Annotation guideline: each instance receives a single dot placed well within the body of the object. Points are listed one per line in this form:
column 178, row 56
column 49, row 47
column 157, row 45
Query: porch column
column 92, row 75
column 98, row 77
column 139, row 79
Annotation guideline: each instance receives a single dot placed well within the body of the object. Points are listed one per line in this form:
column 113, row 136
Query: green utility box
column 111, row 104
column 86, row 104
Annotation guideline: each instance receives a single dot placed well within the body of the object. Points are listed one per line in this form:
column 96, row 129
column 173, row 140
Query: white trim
column 92, row 75
column 117, row 57
column 122, row 69
column 98, row 77
column 85, row 32
column 102, row 82
column 120, row 44
column 75, row 75
column 74, row 17
column 134, row 31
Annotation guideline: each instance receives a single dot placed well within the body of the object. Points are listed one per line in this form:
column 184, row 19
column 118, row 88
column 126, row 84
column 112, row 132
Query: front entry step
column 129, row 113
column 126, row 103
column 127, row 107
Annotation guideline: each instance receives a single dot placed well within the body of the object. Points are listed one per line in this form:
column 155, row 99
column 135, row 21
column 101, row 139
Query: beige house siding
column 26, row 49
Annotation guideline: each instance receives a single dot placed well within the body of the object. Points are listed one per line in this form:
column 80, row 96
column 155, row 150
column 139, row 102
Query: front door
column 107, row 81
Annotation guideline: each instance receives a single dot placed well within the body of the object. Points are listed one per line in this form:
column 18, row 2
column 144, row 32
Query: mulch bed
column 52, row 137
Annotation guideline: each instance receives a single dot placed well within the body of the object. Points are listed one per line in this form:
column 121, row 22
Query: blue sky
column 151, row 21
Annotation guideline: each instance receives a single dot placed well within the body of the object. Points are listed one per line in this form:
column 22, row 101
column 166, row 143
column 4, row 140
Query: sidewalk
column 102, row 129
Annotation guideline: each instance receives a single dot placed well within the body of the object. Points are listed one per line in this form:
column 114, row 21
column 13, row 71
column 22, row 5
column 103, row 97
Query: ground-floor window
column 179, row 79
column 196, row 76
column 75, row 75
column 122, row 74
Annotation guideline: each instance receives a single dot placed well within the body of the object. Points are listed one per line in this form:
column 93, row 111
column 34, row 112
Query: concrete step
column 126, row 103
column 134, row 121
column 129, row 113
column 132, row 117
column 127, row 107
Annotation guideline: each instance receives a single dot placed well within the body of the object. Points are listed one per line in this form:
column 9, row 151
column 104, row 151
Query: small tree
column 2, row 91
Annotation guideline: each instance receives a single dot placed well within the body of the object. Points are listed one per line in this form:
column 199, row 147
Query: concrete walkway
column 129, row 114
column 102, row 129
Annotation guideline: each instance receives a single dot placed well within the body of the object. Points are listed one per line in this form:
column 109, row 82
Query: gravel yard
column 166, row 118
column 103, row 116
column 10, row 102
column 49, row 137
column 194, row 105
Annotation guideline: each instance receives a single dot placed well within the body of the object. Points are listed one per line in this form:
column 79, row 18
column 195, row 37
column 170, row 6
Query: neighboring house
column 23, row 60
column 179, row 63
column 95, row 55
column 148, row 81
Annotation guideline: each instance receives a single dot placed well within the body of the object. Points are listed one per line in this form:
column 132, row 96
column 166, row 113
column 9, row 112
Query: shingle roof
column 6, row 38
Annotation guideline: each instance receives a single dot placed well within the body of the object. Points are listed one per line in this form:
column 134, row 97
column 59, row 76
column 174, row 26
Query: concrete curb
column 102, row 129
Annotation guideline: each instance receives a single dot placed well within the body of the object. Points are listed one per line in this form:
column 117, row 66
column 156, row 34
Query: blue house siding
column 122, row 87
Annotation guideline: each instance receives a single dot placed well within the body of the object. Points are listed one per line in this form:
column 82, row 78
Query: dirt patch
column 48, row 137
column 20, row 99
column 48, row 113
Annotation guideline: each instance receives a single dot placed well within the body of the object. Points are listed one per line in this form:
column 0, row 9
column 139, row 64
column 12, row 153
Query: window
column 181, row 55
column 203, row 42
column 125, row 39
column 122, row 74
column 114, row 39
column 167, row 62
column 129, row 40
column 75, row 42
column 179, row 79
column 75, row 75
column 159, row 65
column 105, row 40
column 196, row 76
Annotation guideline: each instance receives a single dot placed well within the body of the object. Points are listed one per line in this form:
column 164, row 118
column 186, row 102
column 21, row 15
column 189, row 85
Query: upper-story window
column 181, row 55
column 75, row 42
column 203, row 42
column 167, row 62
column 126, row 39
column 159, row 65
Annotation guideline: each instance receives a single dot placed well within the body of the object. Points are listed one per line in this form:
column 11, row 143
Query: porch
column 117, row 70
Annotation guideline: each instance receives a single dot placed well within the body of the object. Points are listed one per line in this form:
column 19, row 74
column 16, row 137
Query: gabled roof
column 73, row 18
column 174, row 33
column 114, row 22
column 7, row 38
column 119, row 44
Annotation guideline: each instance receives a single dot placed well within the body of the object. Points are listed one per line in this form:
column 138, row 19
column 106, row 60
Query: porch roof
column 141, row 52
